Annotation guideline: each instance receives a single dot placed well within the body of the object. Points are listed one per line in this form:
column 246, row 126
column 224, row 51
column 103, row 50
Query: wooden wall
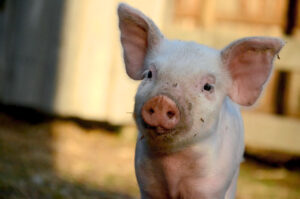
column 64, row 56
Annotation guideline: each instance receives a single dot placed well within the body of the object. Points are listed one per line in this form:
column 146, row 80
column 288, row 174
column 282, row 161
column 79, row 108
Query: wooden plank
column 208, row 13
column 293, row 96
column 272, row 133
column 85, row 64
column 30, row 52
column 255, row 11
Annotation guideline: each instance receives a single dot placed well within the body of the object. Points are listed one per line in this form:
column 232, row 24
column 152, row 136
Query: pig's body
column 190, row 141
column 207, row 168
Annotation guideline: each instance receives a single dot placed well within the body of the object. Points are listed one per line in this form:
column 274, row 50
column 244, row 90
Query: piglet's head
column 184, row 84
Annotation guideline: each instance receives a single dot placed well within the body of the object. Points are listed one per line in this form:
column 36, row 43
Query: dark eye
column 149, row 74
column 207, row 87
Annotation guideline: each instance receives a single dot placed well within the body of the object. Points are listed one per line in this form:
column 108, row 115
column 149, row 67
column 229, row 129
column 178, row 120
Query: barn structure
column 64, row 57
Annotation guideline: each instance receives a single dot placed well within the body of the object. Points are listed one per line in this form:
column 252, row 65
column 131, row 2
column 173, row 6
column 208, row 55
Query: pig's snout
column 161, row 111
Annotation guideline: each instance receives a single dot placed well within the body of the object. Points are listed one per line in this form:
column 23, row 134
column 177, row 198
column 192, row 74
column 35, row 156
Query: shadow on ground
column 28, row 163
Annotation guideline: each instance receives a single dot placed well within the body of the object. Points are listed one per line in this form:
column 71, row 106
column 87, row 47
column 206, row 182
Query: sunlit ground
column 60, row 159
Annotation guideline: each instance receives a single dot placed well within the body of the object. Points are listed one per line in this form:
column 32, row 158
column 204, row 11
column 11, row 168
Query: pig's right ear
column 139, row 35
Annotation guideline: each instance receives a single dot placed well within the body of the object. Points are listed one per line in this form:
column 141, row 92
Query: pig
column 187, row 107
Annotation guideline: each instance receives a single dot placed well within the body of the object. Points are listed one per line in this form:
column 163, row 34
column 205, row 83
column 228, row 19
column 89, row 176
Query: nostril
column 160, row 111
column 151, row 111
column 170, row 114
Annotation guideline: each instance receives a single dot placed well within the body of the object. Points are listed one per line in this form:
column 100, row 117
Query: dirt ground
column 61, row 159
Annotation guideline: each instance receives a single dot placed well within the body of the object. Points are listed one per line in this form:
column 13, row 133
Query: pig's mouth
column 161, row 130
column 158, row 130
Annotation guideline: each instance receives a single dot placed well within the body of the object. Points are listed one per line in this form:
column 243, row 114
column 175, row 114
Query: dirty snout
column 161, row 112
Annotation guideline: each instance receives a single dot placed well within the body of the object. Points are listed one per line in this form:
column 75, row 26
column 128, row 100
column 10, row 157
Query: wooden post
column 30, row 52
column 208, row 13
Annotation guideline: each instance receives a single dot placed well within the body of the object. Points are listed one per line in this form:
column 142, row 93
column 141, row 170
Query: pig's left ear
column 250, row 62
column 139, row 35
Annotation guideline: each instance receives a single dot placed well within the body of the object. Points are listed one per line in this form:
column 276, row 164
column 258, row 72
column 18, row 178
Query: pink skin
column 161, row 111
column 190, row 140
column 250, row 68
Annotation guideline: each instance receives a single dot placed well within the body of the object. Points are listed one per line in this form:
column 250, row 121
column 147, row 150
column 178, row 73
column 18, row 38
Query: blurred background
column 66, row 127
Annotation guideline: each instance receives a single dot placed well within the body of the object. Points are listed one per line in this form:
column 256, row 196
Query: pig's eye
column 208, row 87
column 148, row 74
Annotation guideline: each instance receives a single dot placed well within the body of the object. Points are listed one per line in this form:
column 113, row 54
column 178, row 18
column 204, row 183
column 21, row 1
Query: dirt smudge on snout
column 190, row 106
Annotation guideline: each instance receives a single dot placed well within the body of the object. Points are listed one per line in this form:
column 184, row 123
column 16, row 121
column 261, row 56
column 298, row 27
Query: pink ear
column 250, row 62
column 138, row 36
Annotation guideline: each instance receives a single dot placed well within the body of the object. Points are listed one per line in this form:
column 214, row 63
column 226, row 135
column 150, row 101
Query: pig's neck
column 210, row 162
